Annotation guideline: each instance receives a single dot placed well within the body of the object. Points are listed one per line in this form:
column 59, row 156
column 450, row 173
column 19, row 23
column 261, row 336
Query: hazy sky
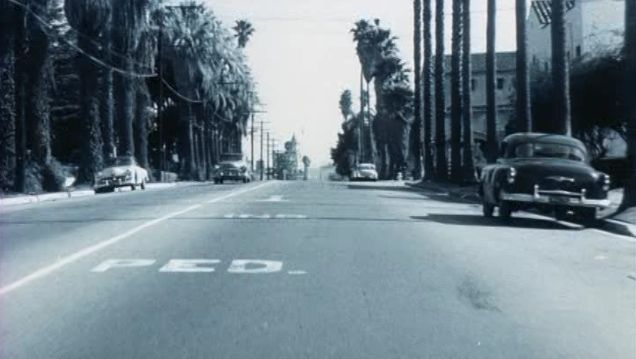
column 303, row 57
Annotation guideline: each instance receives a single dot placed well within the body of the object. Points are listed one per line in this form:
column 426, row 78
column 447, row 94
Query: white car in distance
column 119, row 172
column 364, row 172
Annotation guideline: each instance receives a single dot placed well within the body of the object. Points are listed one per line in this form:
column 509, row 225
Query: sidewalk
column 623, row 223
column 85, row 191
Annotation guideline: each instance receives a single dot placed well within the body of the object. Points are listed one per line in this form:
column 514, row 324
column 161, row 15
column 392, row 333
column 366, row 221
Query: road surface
column 307, row 270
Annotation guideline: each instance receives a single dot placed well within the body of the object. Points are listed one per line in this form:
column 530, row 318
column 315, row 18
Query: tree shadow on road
column 478, row 220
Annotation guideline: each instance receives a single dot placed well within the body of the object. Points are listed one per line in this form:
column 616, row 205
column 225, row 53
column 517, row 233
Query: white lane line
column 64, row 261
column 276, row 198
column 296, row 272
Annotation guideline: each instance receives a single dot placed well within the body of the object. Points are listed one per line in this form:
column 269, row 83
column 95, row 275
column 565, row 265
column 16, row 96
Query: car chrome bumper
column 113, row 182
column 563, row 198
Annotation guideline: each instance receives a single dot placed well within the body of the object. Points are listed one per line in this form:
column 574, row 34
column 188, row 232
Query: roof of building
column 506, row 61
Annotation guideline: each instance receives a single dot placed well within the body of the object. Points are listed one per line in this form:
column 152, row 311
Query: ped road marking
column 72, row 258
column 264, row 216
column 273, row 199
column 237, row 266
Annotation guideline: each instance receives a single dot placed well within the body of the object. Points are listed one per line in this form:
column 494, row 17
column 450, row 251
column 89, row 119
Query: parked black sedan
column 547, row 172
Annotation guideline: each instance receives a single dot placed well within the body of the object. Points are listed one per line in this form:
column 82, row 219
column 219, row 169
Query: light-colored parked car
column 364, row 172
column 121, row 172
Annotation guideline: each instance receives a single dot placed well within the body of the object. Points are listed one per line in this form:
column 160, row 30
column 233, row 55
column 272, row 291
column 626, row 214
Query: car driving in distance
column 364, row 172
column 232, row 171
column 547, row 172
column 119, row 172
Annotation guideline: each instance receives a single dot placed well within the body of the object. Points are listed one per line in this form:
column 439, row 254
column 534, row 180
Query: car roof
column 526, row 137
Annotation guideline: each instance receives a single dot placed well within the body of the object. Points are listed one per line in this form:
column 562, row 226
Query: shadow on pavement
column 478, row 220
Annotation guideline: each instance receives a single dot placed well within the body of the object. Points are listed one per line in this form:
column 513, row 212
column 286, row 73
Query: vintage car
column 232, row 171
column 544, row 171
column 120, row 172
column 364, row 172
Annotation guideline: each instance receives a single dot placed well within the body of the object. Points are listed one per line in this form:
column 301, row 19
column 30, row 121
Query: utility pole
column 273, row 158
column 252, row 143
column 262, row 164
column 267, row 167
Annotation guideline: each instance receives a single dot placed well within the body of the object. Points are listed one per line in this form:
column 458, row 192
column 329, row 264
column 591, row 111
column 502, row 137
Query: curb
column 49, row 197
column 608, row 225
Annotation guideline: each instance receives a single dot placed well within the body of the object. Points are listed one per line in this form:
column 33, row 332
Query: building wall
column 592, row 26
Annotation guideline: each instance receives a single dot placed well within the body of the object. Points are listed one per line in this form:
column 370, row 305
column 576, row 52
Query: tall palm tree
column 467, row 107
column 560, row 70
column 629, row 200
column 345, row 104
column 456, row 93
column 89, row 18
column 416, row 130
column 429, row 167
column 523, row 117
column 128, row 19
column 7, row 95
column 440, row 102
column 106, row 101
column 243, row 32
column 491, row 81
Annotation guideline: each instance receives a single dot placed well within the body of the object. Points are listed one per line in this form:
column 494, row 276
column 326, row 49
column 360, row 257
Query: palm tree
column 106, row 101
column 523, row 117
column 560, row 70
column 429, row 167
column 416, row 130
column 345, row 104
column 244, row 31
column 491, row 78
column 467, row 109
column 89, row 18
column 440, row 101
column 456, row 93
column 629, row 200
column 128, row 18
column 7, row 95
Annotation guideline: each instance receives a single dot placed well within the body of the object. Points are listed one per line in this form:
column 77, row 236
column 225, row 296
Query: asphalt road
column 307, row 270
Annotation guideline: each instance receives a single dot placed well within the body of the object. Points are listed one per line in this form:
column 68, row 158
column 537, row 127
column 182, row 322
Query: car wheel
column 488, row 209
column 560, row 213
column 586, row 216
column 143, row 185
column 505, row 210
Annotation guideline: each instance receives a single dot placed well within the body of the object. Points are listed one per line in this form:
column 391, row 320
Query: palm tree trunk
column 456, row 93
column 124, row 94
column 560, row 70
column 38, row 107
column 106, row 102
column 21, row 80
column 523, row 116
column 467, row 106
column 491, row 81
column 416, row 130
column 440, row 101
column 629, row 200
column 7, row 97
column 427, row 92
column 92, row 150
column 142, row 119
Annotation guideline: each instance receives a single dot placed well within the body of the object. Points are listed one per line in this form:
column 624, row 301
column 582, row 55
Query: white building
column 505, row 92
column 592, row 27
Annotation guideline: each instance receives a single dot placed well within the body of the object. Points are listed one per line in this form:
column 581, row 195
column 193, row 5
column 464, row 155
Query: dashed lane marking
column 72, row 258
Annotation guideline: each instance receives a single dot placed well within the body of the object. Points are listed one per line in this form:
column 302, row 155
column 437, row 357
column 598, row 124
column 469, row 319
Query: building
column 592, row 27
column 505, row 92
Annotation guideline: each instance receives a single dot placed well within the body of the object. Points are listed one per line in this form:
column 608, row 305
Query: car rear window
column 548, row 150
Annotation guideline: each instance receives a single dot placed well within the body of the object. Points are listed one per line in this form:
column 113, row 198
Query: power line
column 47, row 29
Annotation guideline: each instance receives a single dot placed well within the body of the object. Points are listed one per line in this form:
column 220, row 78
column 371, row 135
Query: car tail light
column 607, row 181
column 512, row 175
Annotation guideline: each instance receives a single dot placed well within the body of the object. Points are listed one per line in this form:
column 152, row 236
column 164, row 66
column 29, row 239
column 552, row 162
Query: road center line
column 44, row 271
